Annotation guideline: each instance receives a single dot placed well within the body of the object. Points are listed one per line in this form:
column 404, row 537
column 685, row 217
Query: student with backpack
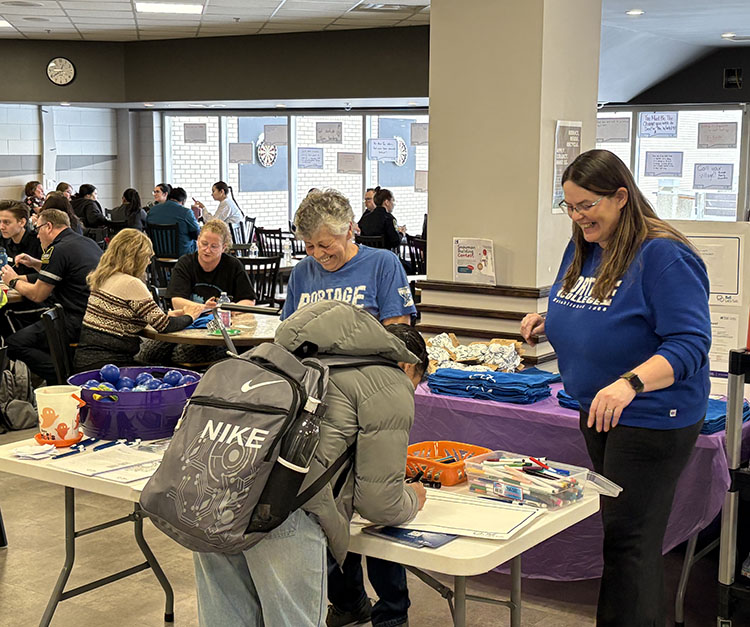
column 282, row 580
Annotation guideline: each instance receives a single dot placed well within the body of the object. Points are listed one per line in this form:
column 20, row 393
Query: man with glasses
column 66, row 261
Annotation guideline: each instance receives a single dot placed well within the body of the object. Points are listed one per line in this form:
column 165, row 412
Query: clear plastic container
column 490, row 477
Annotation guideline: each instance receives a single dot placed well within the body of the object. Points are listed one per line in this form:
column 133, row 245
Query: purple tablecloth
column 545, row 428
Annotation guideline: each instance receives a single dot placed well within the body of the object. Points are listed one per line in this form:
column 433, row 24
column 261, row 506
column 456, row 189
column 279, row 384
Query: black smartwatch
column 634, row 380
column 12, row 283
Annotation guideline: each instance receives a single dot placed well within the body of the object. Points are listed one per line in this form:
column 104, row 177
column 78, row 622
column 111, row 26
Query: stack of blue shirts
column 716, row 416
column 566, row 400
column 509, row 387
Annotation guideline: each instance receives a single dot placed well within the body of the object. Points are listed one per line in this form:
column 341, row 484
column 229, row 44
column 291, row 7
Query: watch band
column 12, row 283
column 634, row 380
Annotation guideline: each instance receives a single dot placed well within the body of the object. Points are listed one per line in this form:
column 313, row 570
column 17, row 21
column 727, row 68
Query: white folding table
column 461, row 558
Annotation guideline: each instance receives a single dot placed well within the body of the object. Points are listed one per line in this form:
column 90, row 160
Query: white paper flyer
column 473, row 261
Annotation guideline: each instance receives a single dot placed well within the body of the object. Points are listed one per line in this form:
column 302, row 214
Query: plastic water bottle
column 226, row 316
column 3, row 257
column 286, row 250
column 253, row 250
column 292, row 465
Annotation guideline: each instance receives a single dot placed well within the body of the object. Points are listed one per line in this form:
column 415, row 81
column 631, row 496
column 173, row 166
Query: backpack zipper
column 207, row 401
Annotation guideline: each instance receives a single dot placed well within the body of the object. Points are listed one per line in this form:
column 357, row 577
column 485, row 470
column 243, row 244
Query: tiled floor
column 33, row 515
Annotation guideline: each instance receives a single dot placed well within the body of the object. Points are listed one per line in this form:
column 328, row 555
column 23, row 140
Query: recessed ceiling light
column 5, row 24
column 148, row 104
column 21, row 3
column 196, row 105
column 412, row 104
column 163, row 7
column 728, row 35
column 64, row 104
column 35, row 19
column 635, row 12
column 217, row 106
column 280, row 105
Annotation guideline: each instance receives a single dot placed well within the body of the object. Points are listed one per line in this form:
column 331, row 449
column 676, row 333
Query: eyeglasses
column 212, row 247
column 581, row 207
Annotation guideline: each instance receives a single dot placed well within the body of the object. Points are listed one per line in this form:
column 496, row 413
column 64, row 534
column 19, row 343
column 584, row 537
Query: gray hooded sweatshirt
column 373, row 405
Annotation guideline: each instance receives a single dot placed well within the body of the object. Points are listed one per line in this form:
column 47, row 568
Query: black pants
column 30, row 346
column 646, row 463
column 346, row 588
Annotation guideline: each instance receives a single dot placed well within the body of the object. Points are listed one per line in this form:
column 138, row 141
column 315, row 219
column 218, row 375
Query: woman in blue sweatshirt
column 628, row 317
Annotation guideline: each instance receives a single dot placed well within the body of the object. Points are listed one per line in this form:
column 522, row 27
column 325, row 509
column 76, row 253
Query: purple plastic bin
column 146, row 415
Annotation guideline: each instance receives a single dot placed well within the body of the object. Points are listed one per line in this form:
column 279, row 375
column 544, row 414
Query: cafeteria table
column 254, row 329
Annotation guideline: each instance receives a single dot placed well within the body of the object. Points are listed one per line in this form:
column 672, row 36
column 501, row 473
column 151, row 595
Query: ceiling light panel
column 5, row 24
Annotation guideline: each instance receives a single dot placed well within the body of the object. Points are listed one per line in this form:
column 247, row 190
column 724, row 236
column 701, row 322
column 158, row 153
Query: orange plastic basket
column 424, row 455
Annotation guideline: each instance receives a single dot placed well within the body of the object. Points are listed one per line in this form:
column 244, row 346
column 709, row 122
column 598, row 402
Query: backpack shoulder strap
column 317, row 485
column 355, row 361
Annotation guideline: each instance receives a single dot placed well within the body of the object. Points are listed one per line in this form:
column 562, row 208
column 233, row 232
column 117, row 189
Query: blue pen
column 108, row 444
column 77, row 448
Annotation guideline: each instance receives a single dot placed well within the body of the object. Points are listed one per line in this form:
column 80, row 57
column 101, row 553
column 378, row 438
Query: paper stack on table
column 34, row 451
column 111, row 463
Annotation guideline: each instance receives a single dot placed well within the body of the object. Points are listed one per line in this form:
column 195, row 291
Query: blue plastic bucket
column 146, row 415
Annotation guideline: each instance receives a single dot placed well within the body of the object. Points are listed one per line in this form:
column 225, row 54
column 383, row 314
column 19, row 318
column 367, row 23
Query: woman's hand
column 532, row 325
column 210, row 303
column 421, row 494
column 607, row 406
column 194, row 310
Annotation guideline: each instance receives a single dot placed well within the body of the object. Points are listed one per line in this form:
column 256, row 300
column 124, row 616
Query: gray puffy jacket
column 373, row 405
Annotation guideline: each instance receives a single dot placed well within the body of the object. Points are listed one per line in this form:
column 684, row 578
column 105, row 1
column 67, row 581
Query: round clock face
column 61, row 71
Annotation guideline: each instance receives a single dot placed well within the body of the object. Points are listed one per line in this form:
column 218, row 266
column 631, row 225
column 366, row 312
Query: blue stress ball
column 165, row 386
column 125, row 382
column 106, row 386
column 124, row 388
column 142, row 378
column 140, row 388
column 188, row 378
column 110, row 373
column 153, row 384
column 173, row 377
column 91, row 384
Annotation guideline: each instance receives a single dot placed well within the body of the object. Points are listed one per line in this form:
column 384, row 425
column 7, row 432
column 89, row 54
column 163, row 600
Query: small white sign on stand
column 473, row 261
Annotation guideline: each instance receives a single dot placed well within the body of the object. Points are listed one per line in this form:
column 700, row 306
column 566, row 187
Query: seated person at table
column 120, row 305
column 379, row 221
column 58, row 200
column 33, row 195
column 18, row 238
column 66, row 189
column 201, row 278
column 172, row 211
column 66, row 262
column 338, row 269
column 130, row 211
column 282, row 579
column 227, row 209
column 87, row 207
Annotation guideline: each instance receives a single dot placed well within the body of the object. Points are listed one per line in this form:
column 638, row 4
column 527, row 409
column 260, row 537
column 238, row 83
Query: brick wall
column 194, row 167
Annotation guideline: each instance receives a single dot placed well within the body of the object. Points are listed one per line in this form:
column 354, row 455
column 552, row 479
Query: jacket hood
column 339, row 328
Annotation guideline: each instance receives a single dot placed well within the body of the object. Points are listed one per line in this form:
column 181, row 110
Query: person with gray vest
column 282, row 580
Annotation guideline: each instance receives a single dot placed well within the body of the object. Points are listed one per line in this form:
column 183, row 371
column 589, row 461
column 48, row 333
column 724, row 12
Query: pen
column 108, row 444
column 77, row 448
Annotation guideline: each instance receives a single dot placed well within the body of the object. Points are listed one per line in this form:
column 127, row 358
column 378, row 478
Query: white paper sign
column 310, row 158
column 420, row 133
column 724, row 338
column 195, row 133
column 241, row 153
column 722, row 256
column 713, row 176
column 663, row 124
column 382, row 149
column 663, row 164
column 612, row 130
column 329, row 133
column 274, row 134
column 420, row 181
column 717, row 135
column 567, row 148
column 473, row 261
column 349, row 162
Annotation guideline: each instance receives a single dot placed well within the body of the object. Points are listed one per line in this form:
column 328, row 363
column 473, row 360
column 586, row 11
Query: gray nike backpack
column 222, row 484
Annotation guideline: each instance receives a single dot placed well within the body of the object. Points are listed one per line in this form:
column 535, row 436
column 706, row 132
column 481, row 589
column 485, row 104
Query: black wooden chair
column 164, row 238
column 161, row 271
column 3, row 363
column 160, row 297
column 249, row 230
column 424, row 227
column 115, row 226
column 373, row 241
column 238, row 233
column 263, row 273
column 417, row 254
column 57, row 337
column 269, row 242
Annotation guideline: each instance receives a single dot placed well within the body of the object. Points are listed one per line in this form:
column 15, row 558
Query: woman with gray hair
column 372, row 279
column 338, row 269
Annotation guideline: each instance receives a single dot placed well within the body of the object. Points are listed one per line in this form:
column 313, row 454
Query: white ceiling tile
column 242, row 4
column 117, row 7
column 235, row 12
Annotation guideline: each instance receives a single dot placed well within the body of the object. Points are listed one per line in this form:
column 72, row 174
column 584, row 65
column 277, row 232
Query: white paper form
column 463, row 515
column 725, row 336
column 131, row 473
column 722, row 255
column 97, row 462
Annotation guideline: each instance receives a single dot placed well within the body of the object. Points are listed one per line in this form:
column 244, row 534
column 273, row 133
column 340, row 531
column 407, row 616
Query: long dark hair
column 414, row 342
column 133, row 198
column 85, row 190
column 58, row 200
column 381, row 195
column 603, row 173
column 227, row 189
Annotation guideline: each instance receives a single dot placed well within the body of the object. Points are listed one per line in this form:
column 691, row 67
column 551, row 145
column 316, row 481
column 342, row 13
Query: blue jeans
column 346, row 588
column 280, row 581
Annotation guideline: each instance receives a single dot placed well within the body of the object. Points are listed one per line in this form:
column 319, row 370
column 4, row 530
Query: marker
column 416, row 477
column 77, row 448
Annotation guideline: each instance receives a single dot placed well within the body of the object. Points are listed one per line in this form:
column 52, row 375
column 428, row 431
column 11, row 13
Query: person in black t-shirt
column 202, row 276
column 379, row 221
column 65, row 263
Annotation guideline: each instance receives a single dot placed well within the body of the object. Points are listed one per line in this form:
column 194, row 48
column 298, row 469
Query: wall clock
column 61, row 71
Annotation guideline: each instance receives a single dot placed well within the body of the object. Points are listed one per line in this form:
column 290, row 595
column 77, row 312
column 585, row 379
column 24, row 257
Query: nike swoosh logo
column 246, row 387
